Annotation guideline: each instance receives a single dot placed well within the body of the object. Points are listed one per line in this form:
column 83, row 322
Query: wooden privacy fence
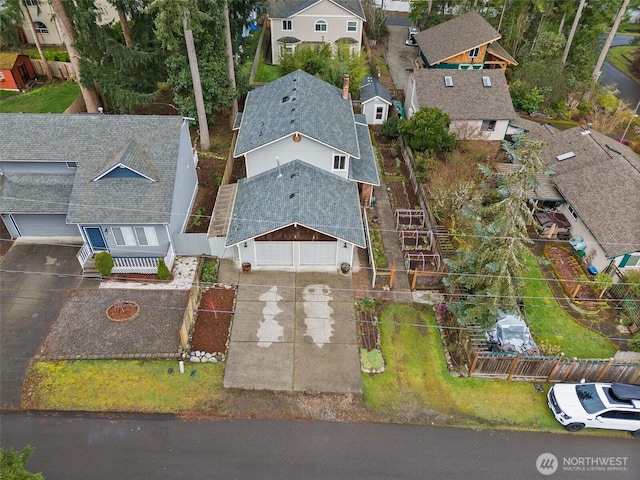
column 515, row 366
column 63, row 70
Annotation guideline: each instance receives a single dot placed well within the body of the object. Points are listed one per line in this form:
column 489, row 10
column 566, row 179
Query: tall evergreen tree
column 485, row 277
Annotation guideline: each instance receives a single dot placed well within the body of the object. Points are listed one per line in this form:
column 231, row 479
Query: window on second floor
column 40, row 27
column 321, row 26
column 488, row 125
column 474, row 52
column 352, row 26
column 339, row 162
column 286, row 25
column 31, row 3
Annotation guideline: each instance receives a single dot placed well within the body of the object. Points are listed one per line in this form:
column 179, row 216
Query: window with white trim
column 633, row 261
column 488, row 125
column 124, row 236
column 320, row 26
column 339, row 162
column 40, row 27
column 379, row 112
column 573, row 213
column 146, row 236
column 352, row 26
column 287, row 25
column 31, row 3
column 474, row 52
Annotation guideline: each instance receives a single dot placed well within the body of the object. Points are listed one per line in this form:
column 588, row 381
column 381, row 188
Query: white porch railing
column 83, row 255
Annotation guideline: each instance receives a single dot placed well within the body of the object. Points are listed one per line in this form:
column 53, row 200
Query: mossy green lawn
column 416, row 377
column 550, row 324
column 621, row 57
column 121, row 386
column 50, row 99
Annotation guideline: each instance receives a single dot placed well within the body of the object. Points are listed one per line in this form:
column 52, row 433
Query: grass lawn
column 550, row 324
column 266, row 73
column 52, row 54
column 7, row 93
column 620, row 57
column 49, row 99
column 121, row 386
column 417, row 380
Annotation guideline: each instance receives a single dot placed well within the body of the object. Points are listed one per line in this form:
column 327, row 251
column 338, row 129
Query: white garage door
column 318, row 253
column 274, row 253
column 44, row 225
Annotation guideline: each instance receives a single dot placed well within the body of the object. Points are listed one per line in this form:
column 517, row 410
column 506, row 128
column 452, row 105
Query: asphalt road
column 628, row 88
column 69, row 446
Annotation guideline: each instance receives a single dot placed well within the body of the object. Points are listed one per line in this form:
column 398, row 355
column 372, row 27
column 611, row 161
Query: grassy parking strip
column 551, row 325
column 121, row 386
column 417, row 386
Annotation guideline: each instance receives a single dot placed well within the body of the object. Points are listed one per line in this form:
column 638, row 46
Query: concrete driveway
column 35, row 279
column 292, row 331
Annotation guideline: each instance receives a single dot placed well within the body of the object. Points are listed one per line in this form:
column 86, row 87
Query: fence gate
column 191, row 244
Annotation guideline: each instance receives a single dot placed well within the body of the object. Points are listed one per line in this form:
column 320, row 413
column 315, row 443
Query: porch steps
column 444, row 240
column 90, row 270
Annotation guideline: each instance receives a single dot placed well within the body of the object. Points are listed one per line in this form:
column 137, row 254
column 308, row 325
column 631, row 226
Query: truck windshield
column 589, row 398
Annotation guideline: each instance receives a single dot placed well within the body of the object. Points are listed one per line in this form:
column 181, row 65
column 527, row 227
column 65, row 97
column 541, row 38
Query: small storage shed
column 375, row 101
column 16, row 71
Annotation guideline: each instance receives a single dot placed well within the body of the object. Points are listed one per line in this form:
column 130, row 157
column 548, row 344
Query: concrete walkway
column 292, row 331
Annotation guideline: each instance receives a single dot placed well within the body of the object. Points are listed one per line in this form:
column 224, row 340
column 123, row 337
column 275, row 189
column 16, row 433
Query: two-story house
column 299, row 22
column 310, row 167
column 467, row 42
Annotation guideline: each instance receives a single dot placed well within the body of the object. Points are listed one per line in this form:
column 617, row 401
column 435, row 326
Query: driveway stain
column 270, row 330
column 318, row 313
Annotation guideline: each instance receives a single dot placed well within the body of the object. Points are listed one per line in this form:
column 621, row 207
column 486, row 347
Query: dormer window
column 474, row 52
column 321, row 26
column 339, row 162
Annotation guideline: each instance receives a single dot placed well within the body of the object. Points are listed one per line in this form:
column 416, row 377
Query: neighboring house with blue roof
column 118, row 183
column 299, row 22
column 375, row 101
column 311, row 168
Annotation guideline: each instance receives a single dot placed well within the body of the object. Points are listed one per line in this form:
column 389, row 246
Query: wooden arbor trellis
column 409, row 219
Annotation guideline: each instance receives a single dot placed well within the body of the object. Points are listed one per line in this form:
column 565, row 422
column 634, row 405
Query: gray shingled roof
column 132, row 157
column 468, row 99
column 601, row 184
column 289, row 8
column 35, row 193
column 296, row 193
column 496, row 49
column 371, row 88
column 94, row 141
column 365, row 168
column 458, row 35
column 297, row 102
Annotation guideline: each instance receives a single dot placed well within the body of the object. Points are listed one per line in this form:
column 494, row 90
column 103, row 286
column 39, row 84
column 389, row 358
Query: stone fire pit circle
column 123, row 311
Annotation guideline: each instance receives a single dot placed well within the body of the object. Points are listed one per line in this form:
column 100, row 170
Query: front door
column 94, row 234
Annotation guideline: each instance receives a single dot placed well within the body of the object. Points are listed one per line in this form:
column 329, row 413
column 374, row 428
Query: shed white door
column 44, row 225
column 274, row 253
column 318, row 253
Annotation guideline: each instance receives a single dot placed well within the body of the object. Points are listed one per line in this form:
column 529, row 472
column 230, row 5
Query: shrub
column 163, row 270
column 584, row 109
column 634, row 343
column 425, row 163
column 209, row 272
column 104, row 263
column 371, row 361
column 525, row 99
column 390, row 127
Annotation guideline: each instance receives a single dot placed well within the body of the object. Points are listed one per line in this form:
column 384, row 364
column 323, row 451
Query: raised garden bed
column 213, row 324
column 571, row 276
column 371, row 360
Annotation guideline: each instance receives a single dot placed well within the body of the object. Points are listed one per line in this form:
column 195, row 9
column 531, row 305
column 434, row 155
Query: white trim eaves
column 122, row 165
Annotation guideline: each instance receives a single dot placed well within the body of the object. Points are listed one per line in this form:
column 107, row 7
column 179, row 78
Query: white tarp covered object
column 511, row 333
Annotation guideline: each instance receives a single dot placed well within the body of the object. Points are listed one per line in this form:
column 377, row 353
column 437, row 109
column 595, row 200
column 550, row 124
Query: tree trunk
column 607, row 43
column 231, row 66
column 205, row 142
column 562, row 20
column 124, row 25
column 45, row 63
column 68, row 37
column 573, row 31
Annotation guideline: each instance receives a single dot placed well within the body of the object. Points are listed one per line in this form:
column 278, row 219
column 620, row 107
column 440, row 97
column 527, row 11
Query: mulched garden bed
column 213, row 321
column 569, row 272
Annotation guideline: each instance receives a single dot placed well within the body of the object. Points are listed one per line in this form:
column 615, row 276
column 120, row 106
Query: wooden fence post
column 604, row 370
column 392, row 277
column 513, row 366
column 414, row 280
column 570, row 369
column 555, row 367
column 473, row 363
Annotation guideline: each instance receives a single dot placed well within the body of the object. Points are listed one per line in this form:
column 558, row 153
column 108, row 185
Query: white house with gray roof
column 598, row 180
column 311, row 168
column 299, row 22
column 118, row 183
column 478, row 102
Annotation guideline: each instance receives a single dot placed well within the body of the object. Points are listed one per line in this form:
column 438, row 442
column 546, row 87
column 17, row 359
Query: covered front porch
column 144, row 265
